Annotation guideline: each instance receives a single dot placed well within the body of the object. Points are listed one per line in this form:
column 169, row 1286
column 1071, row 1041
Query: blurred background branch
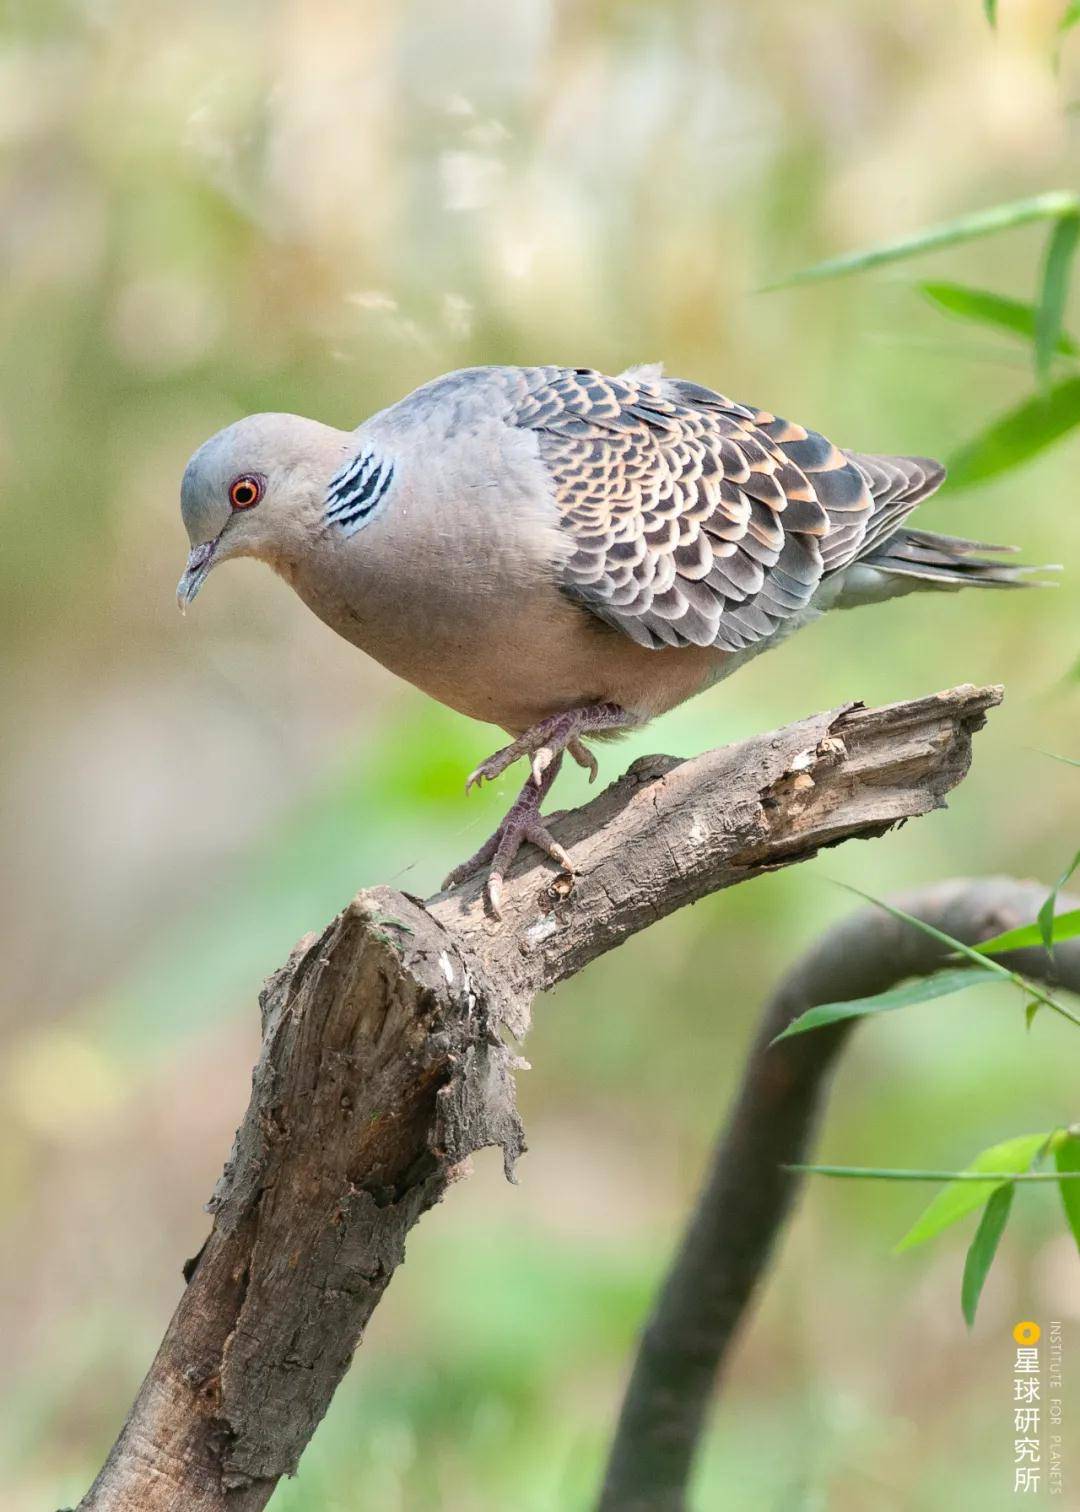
column 383, row 1069
column 748, row 1193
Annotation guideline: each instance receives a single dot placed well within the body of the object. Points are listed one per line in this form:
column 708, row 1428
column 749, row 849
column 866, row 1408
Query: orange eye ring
column 245, row 491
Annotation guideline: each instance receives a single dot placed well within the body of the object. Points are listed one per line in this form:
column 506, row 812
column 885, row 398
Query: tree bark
column 383, row 1067
column 747, row 1194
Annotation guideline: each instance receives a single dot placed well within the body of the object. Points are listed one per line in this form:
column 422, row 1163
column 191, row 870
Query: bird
column 566, row 554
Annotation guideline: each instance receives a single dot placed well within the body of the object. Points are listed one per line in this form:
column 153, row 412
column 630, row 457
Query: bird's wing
column 696, row 520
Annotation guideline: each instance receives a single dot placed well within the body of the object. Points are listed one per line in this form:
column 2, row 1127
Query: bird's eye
column 245, row 491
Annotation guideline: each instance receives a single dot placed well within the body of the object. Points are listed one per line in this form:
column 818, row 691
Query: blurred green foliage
column 234, row 206
column 1024, row 1154
column 1005, row 445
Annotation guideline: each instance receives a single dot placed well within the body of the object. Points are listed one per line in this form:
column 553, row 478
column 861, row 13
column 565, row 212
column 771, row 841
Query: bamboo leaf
column 1068, row 760
column 961, row 1197
column 1067, row 1160
column 921, row 991
column 995, row 310
column 983, row 1248
column 987, row 222
column 1071, row 16
column 1045, row 916
column 1019, row 434
column 890, row 1173
column 1054, row 292
column 968, row 950
column 990, row 9
column 1066, row 926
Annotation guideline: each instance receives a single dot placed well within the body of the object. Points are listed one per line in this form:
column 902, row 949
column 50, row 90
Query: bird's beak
column 199, row 563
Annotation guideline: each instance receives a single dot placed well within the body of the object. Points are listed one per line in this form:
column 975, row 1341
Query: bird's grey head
column 257, row 488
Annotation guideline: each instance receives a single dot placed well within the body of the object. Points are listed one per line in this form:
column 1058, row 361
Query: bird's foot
column 523, row 822
column 548, row 739
column 544, row 745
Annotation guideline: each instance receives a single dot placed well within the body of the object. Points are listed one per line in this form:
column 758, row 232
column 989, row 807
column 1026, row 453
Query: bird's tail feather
column 951, row 562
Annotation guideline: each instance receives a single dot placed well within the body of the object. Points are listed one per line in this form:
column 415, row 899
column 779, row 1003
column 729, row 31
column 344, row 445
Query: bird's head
column 257, row 489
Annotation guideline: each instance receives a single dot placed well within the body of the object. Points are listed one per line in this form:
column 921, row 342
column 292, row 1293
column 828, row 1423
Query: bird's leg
column 552, row 736
column 522, row 823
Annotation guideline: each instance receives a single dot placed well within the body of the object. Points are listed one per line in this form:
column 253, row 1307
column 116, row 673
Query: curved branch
column 383, row 1067
column 747, row 1195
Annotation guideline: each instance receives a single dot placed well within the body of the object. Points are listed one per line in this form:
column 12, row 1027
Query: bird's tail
column 942, row 561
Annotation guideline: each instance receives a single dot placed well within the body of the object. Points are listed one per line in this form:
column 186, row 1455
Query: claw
column 539, row 837
column 583, row 756
column 540, row 761
column 481, row 775
column 496, row 764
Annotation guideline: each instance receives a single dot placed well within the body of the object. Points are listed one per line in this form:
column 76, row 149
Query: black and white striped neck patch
column 357, row 490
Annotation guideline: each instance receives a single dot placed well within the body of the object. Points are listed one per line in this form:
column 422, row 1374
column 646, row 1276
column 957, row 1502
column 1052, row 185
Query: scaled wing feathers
column 697, row 520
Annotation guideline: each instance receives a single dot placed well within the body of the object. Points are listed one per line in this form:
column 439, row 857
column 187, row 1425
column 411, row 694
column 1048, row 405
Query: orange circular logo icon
column 1027, row 1333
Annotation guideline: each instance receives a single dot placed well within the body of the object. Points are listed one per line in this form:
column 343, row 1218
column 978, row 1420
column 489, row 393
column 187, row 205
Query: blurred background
column 218, row 208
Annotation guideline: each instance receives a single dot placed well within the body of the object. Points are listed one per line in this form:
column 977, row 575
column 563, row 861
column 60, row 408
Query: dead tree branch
column 747, row 1195
column 383, row 1068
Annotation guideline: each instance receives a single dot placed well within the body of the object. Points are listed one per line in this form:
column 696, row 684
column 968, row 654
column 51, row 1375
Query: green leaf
column 1066, row 926
column 890, row 1173
column 1068, row 760
column 987, row 962
column 1054, row 292
column 948, row 234
column 1067, row 1160
column 1019, row 434
column 1045, row 916
column 961, row 1197
column 996, row 310
column 1071, row 16
column 983, row 1248
column 990, row 8
column 921, row 991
